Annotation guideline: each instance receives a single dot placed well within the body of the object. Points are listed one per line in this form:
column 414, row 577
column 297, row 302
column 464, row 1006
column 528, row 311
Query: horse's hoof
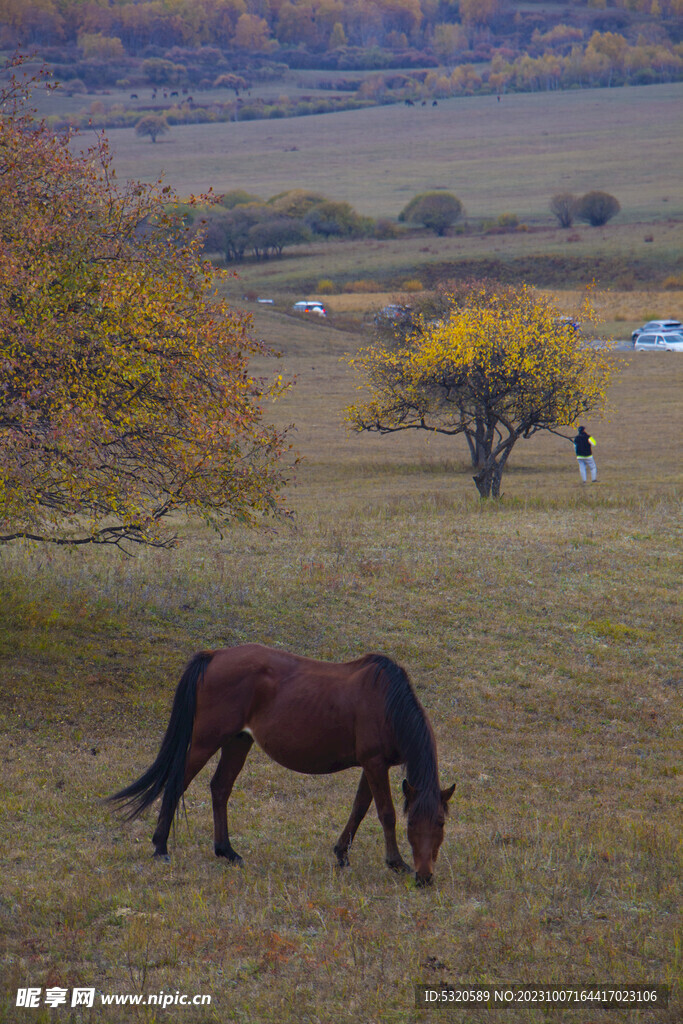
column 342, row 858
column 229, row 855
column 399, row 866
column 163, row 857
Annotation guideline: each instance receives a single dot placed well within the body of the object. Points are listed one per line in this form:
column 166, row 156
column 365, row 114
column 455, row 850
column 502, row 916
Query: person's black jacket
column 582, row 445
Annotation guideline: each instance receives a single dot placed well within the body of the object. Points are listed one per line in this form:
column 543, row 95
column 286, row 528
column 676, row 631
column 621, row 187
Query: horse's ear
column 446, row 794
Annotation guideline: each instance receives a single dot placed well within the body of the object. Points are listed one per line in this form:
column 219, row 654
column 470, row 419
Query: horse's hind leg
column 358, row 812
column 232, row 759
column 196, row 759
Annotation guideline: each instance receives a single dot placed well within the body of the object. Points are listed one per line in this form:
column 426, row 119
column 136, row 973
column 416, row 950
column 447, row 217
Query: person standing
column 583, row 445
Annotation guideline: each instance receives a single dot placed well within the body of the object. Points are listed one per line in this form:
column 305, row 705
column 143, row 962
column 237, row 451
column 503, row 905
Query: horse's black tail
column 167, row 774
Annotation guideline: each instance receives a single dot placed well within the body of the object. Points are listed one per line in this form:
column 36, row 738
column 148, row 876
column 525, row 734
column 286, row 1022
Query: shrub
column 296, row 202
column 158, row 71
column 238, row 197
column 270, row 235
column 251, row 227
column 385, row 229
column 326, row 287
column 412, row 285
column 563, row 206
column 596, row 208
column 330, row 218
column 437, row 211
column 75, row 87
column 229, row 232
column 508, row 221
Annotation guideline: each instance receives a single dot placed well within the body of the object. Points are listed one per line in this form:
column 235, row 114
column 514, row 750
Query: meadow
column 508, row 157
column 542, row 635
column 497, row 157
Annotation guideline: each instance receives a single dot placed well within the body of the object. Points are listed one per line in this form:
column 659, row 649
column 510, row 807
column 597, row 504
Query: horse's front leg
column 358, row 812
column 378, row 777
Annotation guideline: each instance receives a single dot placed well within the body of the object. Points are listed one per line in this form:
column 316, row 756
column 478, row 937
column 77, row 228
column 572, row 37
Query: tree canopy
column 498, row 369
column 563, row 205
column 125, row 392
column 152, row 125
column 241, row 223
column 437, row 211
column 596, row 208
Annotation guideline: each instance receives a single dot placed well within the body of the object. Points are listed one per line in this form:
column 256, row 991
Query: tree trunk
column 489, row 477
column 476, row 440
column 488, row 480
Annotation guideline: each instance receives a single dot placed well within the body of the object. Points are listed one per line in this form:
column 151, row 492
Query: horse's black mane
column 413, row 735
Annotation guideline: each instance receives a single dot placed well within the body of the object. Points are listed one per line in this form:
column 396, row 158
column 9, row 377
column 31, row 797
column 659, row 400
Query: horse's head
column 425, row 829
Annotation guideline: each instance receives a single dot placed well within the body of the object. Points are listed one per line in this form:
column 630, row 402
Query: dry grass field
column 620, row 256
column 507, row 157
column 619, row 313
column 542, row 634
column 497, row 157
column 614, row 306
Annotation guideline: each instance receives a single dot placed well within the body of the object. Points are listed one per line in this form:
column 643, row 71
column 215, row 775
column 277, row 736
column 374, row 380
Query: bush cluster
column 594, row 208
column 242, row 224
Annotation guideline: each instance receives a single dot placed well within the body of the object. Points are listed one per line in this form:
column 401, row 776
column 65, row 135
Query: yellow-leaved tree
column 125, row 391
column 501, row 367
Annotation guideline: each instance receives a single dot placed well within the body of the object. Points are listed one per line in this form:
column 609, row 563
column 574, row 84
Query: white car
column 310, row 307
column 653, row 341
column 656, row 325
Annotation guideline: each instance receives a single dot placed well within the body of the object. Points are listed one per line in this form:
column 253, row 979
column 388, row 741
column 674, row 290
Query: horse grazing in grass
column 313, row 717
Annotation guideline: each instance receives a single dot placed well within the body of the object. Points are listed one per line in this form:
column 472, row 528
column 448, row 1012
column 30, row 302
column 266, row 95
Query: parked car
column 394, row 312
column 657, row 325
column 310, row 307
column 666, row 341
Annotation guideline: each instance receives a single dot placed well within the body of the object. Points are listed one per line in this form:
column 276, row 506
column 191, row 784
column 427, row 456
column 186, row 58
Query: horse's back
column 308, row 715
column 256, row 662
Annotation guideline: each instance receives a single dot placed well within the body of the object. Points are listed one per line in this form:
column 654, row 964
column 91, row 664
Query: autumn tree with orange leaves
column 500, row 368
column 125, row 391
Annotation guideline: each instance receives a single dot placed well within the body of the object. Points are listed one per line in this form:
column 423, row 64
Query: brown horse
column 313, row 717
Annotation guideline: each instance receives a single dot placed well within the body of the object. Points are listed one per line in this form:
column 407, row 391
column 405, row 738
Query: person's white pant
column 587, row 462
